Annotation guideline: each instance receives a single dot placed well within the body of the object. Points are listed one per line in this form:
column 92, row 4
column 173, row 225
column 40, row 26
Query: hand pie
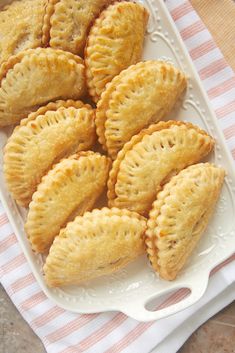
column 140, row 95
column 114, row 43
column 38, row 143
column 99, row 243
column 70, row 22
column 150, row 159
column 23, row 26
column 180, row 215
column 68, row 190
column 35, row 77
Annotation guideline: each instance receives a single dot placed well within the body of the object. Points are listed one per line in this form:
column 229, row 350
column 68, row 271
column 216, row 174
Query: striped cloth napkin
column 66, row 332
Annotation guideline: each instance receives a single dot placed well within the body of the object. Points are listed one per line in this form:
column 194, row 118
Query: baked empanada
column 139, row 96
column 40, row 141
column 99, row 243
column 150, row 159
column 35, row 77
column 23, row 26
column 180, row 215
column 68, row 190
column 115, row 42
column 70, row 22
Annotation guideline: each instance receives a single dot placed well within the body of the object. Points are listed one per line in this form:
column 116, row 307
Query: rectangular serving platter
column 131, row 289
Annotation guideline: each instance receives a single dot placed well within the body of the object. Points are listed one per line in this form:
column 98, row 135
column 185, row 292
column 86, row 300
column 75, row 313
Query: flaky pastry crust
column 35, row 77
column 139, row 96
column 42, row 140
column 150, row 158
column 115, row 42
column 23, row 26
column 180, row 215
column 68, row 190
column 99, row 243
column 52, row 106
column 70, row 23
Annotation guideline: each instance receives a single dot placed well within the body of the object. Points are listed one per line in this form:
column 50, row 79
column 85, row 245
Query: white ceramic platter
column 131, row 289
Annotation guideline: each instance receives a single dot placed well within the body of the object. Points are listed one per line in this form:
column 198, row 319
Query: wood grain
column 219, row 18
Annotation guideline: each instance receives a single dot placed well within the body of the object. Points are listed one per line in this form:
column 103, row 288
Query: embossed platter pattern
column 130, row 289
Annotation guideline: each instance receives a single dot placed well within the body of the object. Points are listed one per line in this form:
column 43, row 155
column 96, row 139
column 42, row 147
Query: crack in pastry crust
column 68, row 190
column 41, row 140
column 22, row 26
column 70, row 22
column 139, row 96
column 23, row 85
column 115, row 42
column 180, row 215
column 152, row 157
column 99, row 243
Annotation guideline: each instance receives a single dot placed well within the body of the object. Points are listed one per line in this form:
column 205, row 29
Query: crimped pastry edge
column 90, row 83
column 136, row 139
column 103, row 14
column 20, row 200
column 106, row 212
column 104, row 99
column 53, row 106
column 115, row 211
column 14, row 59
column 155, row 212
column 46, row 22
column 76, row 157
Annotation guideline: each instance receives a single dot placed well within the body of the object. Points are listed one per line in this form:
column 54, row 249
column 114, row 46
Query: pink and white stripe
column 65, row 332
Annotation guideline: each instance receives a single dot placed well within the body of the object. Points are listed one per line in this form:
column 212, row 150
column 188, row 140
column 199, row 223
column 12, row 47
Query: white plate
column 132, row 288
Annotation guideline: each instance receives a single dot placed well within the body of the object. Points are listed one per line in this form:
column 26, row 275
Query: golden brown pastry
column 71, row 21
column 139, row 96
column 68, row 190
column 23, row 26
column 35, row 77
column 180, row 215
column 52, row 106
column 42, row 140
column 99, row 243
column 114, row 43
column 150, row 159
